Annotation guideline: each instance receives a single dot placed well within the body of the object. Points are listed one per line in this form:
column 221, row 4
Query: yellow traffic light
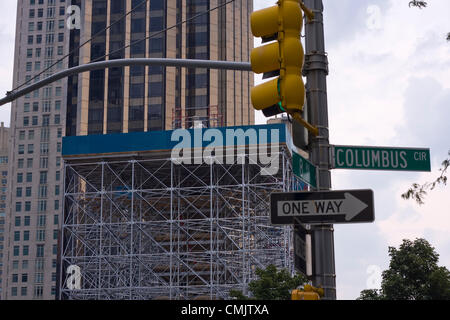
column 283, row 58
column 308, row 293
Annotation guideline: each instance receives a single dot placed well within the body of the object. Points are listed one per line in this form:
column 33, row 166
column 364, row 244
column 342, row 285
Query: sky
column 388, row 85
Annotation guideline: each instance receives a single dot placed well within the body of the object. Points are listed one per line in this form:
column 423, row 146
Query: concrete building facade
column 4, row 145
column 34, row 200
column 106, row 101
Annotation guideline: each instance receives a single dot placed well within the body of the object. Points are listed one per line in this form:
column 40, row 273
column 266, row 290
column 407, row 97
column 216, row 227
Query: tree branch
column 418, row 192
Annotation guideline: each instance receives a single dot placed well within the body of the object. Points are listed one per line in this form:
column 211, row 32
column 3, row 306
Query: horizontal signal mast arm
column 186, row 63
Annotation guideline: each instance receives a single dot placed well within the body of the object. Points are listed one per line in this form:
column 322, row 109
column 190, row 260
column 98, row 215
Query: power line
column 81, row 45
column 124, row 47
column 163, row 31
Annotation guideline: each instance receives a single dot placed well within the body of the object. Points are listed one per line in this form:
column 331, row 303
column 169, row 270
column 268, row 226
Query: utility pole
column 316, row 71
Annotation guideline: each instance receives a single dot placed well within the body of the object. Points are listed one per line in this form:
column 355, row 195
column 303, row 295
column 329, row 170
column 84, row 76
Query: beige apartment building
column 4, row 144
column 107, row 101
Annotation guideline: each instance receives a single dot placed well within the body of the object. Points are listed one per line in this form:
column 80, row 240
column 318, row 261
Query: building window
column 40, row 235
column 39, row 290
column 40, row 250
column 41, row 221
column 39, row 266
column 42, row 206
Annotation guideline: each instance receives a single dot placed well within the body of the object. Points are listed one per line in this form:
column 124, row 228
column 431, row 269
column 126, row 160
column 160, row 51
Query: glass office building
column 148, row 98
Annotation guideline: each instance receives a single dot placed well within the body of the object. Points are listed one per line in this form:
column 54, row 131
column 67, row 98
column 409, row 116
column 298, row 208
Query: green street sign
column 381, row 158
column 304, row 169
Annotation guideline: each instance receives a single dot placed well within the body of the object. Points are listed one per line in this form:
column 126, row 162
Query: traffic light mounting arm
column 309, row 14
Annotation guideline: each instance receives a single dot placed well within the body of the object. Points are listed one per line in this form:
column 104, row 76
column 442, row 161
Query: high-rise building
column 145, row 98
column 4, row 137
column 151, row 98
column 34, row 200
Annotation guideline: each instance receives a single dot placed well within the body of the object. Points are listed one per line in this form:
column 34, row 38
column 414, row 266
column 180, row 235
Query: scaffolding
column 145, row 227
column 208, row 117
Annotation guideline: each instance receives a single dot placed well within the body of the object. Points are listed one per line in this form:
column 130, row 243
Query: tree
column 271, row 285
column 370, row 294
column 413, row 274
column 418, row 192
column 420, row 5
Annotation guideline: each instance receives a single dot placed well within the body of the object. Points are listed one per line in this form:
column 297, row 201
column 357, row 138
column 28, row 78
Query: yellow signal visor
column 293, row 92
column 265, row 58
column 265, row 95
column 264, row 22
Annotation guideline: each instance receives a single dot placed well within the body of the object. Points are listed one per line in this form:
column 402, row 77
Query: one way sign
column 322, row 207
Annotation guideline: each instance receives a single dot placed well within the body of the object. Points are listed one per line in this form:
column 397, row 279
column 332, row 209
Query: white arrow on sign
column 350, row 207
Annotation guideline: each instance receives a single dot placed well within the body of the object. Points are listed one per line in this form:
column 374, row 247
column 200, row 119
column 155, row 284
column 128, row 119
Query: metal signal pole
column 316, row 71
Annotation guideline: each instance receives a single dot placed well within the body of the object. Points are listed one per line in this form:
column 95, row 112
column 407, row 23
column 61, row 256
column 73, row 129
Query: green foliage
column 420, row 5
column 370, row 294
column 272, row 284
column 418, row 192
column 413, row 274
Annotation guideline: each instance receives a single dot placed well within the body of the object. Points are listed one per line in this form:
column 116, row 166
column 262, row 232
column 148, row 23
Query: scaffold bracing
column 146, row 227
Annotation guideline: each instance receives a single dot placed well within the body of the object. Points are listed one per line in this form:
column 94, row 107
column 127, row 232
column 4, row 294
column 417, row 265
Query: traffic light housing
column 308, row 293
column 283, row 58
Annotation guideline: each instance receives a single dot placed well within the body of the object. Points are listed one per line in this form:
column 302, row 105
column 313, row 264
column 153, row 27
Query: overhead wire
column 162, row 31
column 126, row 46
column 81, row 45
